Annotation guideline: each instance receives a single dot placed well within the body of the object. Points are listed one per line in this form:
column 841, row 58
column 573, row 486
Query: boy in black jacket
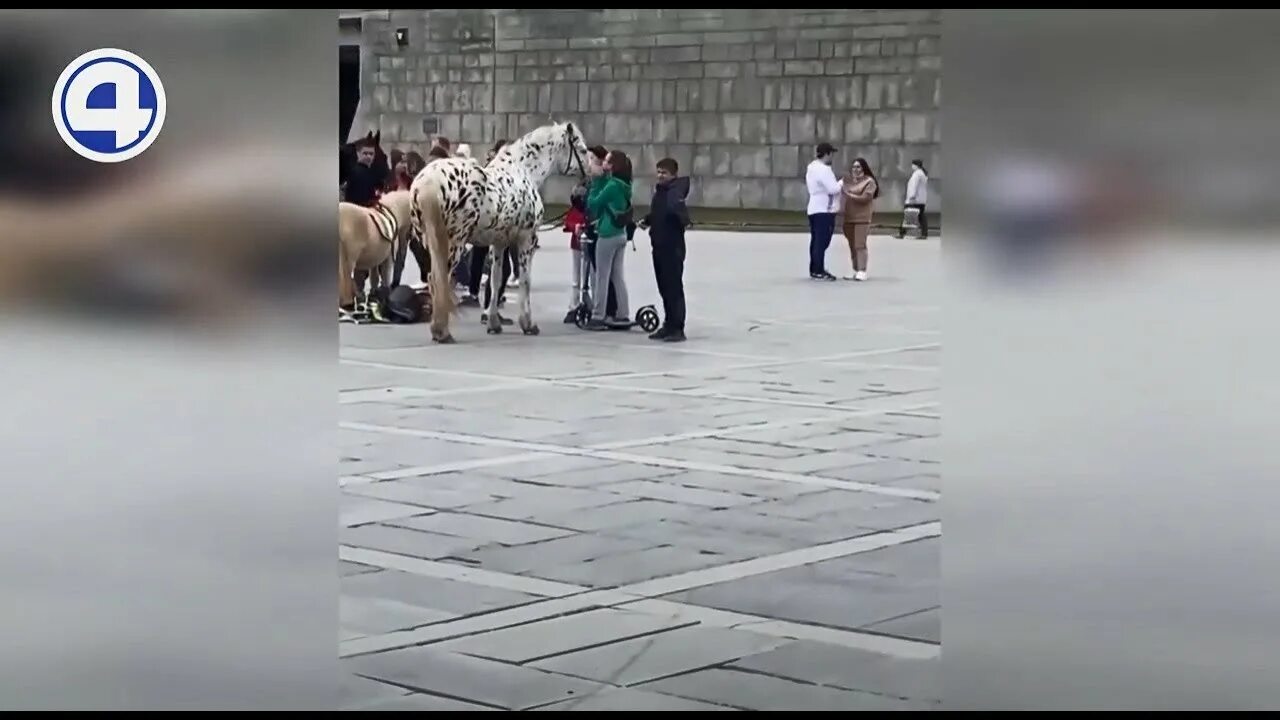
column 666, row 222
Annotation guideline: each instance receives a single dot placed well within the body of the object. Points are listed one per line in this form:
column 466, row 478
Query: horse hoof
column 494, row 329
column 531, row 330
column 446, row 340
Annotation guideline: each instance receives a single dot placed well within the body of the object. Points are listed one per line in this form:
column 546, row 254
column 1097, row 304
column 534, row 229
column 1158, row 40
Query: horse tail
column 428, row 214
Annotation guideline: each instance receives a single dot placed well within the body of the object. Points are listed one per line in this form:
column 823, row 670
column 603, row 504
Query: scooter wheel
column 647, row 318
column 581, row 317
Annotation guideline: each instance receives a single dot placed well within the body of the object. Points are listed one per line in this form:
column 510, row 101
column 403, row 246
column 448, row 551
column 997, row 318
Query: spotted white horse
column 459, row 200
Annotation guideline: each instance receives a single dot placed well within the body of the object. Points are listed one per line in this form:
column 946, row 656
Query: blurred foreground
column 168, row 523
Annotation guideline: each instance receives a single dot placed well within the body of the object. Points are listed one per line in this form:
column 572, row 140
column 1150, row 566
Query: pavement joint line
column 655, row 461
column 463, row 465
column 639, row 597
column 677, row 372
column 405, row 392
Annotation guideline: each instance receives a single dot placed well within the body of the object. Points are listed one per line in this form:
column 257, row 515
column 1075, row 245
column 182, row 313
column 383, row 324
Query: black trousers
column 479, row 255
column 668, row 270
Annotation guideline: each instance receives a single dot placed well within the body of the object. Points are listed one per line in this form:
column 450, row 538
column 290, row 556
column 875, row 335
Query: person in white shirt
column 917, row 197
column 824, row 196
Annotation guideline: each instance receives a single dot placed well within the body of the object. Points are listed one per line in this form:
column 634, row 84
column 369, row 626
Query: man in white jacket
column 824, row 196
column 917, row 197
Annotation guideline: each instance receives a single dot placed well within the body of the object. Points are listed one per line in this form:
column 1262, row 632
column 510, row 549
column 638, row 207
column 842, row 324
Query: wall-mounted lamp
column 402, row 36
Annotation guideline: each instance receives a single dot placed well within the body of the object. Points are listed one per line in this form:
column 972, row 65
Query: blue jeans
column 821, row 227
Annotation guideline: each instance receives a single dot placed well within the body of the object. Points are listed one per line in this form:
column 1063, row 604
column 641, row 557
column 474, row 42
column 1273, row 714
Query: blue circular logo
column 109, row 105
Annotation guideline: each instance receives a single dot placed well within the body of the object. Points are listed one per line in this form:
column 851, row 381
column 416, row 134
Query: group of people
column 600, row 223
column 852, row 198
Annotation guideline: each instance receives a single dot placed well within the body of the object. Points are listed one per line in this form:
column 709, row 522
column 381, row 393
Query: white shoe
column 860, row 275
column 846, row 277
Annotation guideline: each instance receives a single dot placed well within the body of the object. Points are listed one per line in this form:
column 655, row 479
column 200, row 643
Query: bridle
column 574, row 157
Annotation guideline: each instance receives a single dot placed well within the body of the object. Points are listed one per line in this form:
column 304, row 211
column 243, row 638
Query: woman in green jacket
column 608, row 205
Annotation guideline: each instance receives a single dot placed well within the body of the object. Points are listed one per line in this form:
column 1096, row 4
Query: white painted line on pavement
column 655, row 461
column 782, row 561
column 639, row 597
column 713, row 617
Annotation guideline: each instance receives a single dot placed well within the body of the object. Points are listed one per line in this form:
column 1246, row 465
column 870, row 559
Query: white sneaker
column 846, row 277
column 860, row 275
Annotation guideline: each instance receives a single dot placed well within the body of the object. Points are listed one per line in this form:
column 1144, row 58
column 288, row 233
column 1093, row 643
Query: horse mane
column 538, row 142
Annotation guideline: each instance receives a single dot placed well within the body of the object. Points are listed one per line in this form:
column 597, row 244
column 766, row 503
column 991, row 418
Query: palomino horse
column 369, row 239
column 459, row 200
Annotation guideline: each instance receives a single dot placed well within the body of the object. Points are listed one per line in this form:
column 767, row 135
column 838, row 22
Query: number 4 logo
column 109, row 105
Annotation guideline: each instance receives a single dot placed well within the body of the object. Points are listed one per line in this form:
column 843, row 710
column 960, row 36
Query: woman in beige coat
column 858, row 191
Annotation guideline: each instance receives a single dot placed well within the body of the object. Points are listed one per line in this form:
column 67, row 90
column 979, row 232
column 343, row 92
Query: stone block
column 751, row 162
column 720, row 192
column 802, row 67
column 810, row 48
column 784, row 50
column 682, row 90
column 413, row 100
column 881, row 31
column 784, row 161
column 588, row 42
column 664, row 128
column 615, row 129
column 768, row 69
column 802, row 128
column 564, row 97
column 501, row 75
column 473, row 127
column 731, row 127
column 700, row 160
column 709, row 95
column 888, row 127
column 674, row 39
column 546, row 44
column 890, row 65
column 678, row 54
column 799, row 94
column 782, row 99
column 838, row 66
column 755, row 128
column 628, row 96
column 818, row 94
column 795, row 195
column 542, row 101
column 831, row 127
column 779, row 128
column 708, row 128
column 600, row 72
column 874, row 98
column 721, row 69
column 721, row 160
column 929, row 62
column 763, row 51
column 915, row 127
column 858, row 127
column 686, row 127
column 381, row 98
column 726, row 38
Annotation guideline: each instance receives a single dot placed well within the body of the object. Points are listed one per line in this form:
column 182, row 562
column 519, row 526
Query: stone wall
column 738, row 97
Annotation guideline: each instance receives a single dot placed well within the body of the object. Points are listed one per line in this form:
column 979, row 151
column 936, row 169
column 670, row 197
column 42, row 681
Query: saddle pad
column 385, row 221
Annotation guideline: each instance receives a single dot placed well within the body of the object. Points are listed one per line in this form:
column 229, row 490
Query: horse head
column 558, row 147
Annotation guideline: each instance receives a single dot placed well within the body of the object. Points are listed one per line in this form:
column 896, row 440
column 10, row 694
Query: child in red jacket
column 575, row 222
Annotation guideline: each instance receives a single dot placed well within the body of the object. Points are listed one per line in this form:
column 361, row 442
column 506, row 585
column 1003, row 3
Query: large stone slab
column 662, row 655
column 470, row 679
column 850, row 668
column 560, row 635
column 753, row 691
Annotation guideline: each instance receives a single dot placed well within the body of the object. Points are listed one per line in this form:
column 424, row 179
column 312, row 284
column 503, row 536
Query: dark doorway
column 348, row 88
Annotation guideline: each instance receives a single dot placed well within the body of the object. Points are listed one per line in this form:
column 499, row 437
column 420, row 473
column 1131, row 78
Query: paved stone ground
column 594, row 521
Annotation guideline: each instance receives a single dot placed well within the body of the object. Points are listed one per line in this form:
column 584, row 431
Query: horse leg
column 524, row 261
column 494, row 321
column 346, row 284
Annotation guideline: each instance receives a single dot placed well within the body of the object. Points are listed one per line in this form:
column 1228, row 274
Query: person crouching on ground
column 609, row 207
column 666, row 222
